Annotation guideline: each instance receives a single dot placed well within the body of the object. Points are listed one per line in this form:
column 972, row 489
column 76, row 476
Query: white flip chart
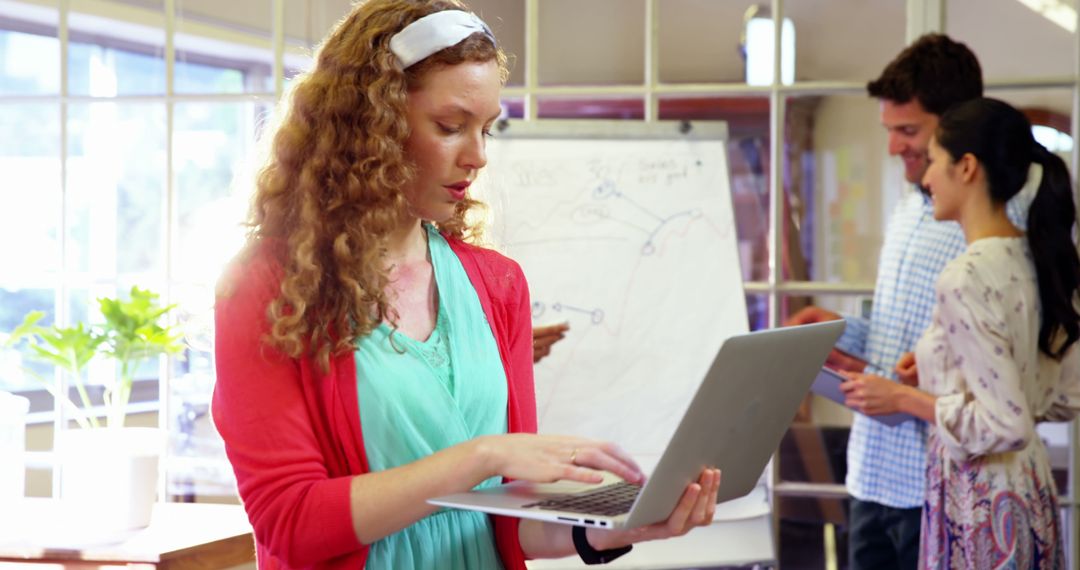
column 628, row 236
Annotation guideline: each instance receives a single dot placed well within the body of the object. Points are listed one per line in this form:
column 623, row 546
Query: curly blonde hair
column 331, row 189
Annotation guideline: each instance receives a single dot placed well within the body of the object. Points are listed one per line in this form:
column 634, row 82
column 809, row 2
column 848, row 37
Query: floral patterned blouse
column 991, row 501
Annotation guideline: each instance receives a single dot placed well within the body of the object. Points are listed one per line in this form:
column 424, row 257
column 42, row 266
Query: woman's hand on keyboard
column 549, row 458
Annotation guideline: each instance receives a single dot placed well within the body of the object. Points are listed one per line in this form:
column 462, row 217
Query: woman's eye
column 448, row 129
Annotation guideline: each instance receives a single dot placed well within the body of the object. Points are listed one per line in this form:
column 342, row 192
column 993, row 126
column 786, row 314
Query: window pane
column 593, row 108
column 18, row 369
column 84, row 303
column 29, row 50
column 815, row 447
column 117, row 49
column 306, row 23
column 29, row 228
column 812, row 531
column 757, row 311
column 748, row 162
column 514, row 109
column 1056, row 438
column 1044, row 106
column 1013, row 40
column 197, row 465
column 1049, row 107
column 224, row 48
column 31, row 192
column 699, row 41
column 843, row 186
column 195, row 74
column 116, row 182
column 507, row 21
column 853, row 304
column 873, row 33
column 212, row 144
column 600, row 42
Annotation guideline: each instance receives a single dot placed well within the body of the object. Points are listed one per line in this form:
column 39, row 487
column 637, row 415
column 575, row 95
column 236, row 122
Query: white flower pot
column 13, row 411
column 109, row 476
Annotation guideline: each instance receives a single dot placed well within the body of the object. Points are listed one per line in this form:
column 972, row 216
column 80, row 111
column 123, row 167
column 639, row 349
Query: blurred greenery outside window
column 112, row 210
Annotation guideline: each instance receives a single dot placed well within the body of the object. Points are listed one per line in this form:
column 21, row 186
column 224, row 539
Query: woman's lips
column 457, row 191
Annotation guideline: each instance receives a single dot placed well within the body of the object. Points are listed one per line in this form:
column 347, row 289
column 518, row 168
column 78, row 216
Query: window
column 119, row 177
column 130, row 178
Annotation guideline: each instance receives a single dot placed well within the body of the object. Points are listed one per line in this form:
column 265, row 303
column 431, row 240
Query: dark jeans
column 883, row 538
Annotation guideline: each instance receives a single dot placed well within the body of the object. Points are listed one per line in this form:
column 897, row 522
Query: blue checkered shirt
column 887, row 465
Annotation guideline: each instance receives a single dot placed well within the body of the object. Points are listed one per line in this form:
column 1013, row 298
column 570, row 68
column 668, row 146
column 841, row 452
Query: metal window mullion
column 164, row 368
column 776, row 183
column 532, row 57
column 775, row 238
column 652, row 59
column 278, row 33
column 61, row 295
column 806, row 288
column 775, row 281
column 1044, row 82
column 1073, row 473
column 1073, row 512
column 923, row 17
column 178, row 97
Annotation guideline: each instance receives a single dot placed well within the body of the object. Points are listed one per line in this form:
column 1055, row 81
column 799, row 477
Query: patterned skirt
column 995, row 511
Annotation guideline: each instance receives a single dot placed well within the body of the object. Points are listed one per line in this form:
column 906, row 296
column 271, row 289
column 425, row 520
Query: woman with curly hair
column 368, row 356
column 1001, row 353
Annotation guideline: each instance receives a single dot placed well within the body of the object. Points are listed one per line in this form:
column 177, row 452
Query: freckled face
column 940, row 179
column 449, row 114
column 909, row 127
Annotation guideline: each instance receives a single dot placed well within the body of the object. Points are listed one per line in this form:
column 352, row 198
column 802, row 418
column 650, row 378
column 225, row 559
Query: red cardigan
column 293, row 434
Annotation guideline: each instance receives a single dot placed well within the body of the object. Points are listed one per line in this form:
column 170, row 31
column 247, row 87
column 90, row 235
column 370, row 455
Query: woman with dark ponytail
column 1001, row 353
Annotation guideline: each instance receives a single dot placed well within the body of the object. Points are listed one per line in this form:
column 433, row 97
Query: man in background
column 886, row 465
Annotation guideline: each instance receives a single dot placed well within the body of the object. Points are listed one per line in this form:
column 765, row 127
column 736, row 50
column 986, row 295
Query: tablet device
column 855, row 356
column 827, row 384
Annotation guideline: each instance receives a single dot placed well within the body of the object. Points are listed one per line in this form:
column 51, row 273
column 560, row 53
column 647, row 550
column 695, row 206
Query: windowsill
column 47, row 416
column 144, row 398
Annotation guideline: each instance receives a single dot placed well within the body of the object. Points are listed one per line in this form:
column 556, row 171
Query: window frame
column 922, row 16
column 148, row 394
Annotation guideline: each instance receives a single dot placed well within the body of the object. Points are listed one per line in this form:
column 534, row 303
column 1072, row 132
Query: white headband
column 433, row 33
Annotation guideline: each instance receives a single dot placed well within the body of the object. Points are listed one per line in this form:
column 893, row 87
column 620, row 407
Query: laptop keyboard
column 609, row 500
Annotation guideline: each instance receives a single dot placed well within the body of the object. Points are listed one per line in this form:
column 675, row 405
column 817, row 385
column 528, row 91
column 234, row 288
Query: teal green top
column 417, row 398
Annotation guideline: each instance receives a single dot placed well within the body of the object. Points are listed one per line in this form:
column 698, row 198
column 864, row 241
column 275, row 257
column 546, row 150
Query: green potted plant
column 109, row 472
column 131, row 333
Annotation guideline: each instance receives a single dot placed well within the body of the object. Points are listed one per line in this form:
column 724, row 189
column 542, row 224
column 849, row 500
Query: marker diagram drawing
column 632, row 243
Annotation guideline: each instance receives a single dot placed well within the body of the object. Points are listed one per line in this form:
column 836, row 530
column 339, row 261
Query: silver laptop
column 735, row 421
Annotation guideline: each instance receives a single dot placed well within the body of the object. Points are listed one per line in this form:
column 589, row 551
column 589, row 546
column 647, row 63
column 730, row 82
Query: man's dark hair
column 935, row 70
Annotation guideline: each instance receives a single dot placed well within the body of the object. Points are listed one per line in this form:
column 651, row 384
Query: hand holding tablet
column 827, row 384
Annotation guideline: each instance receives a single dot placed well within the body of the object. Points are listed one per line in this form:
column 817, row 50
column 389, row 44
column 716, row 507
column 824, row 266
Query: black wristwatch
column 590, row 555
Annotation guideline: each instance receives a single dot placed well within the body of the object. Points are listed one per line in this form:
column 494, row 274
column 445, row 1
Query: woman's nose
column 474, row 155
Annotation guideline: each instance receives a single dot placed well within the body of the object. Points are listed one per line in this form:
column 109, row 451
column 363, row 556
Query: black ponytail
column 1000, row 138
column 1057, row 265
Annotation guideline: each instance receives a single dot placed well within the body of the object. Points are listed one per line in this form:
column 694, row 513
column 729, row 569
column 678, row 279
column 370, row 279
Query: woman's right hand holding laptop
column 696, row 508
